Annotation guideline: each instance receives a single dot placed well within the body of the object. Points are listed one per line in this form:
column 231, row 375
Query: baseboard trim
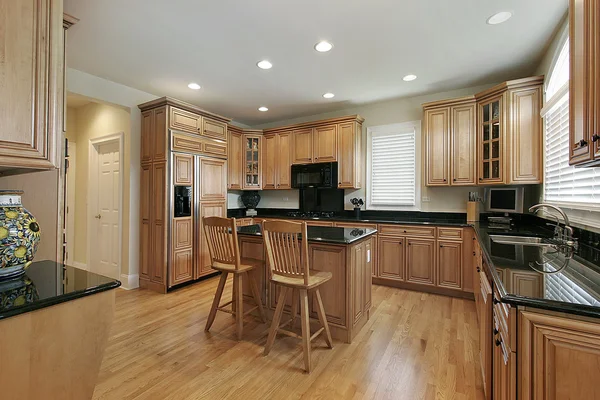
column 80, row 265
column 423, row 288
column 129, row 282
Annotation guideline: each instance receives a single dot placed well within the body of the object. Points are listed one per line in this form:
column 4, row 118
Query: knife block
column 472, row 211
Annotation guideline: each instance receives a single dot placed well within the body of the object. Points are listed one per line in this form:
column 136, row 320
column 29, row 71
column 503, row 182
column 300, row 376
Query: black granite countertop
column 539, row 276
column 47, row 283
column 324, row 234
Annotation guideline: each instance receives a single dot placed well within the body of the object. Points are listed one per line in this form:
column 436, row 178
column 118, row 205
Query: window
column 563, row 184
column 392, row 176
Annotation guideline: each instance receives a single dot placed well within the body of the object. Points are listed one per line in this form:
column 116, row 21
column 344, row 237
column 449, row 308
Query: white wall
column 114, row 93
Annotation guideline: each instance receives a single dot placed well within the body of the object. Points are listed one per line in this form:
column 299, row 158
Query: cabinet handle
column 495, row 301
column 441, row 245
column 478, row 269
column 474, row 254
column 399, row 242
column 404, row 231
column 454, row 179
column 583, row 143
column 496, row 331
column 595, row 137
column 480, row 179
column 444, row 180
column 498, row 342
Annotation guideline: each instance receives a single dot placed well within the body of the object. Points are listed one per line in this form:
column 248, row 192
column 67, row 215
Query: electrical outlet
column 426, row 199
column 285, row 199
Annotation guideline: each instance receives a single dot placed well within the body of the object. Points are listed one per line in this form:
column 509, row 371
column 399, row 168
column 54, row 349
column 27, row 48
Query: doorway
column 105, row 205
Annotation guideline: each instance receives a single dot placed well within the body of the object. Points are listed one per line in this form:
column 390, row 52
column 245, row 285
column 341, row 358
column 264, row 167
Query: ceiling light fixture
column 264, row 64
column 194, row 86
column 323, row 46
column 409, row 78
column 329, row 95
column 499, row 18
column 263, row 109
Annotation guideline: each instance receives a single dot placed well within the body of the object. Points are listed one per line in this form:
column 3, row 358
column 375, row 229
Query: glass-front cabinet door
column 252, row 162
column 491, row 134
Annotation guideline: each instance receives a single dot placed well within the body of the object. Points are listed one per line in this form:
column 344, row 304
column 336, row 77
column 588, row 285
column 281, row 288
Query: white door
column 105, row 185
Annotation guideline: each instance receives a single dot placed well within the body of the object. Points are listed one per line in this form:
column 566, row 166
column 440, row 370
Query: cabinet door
column 392, row 252
column 181, row 267
column 160, row 136
column 203, row 262
column 159, row 225
column 559, row 358
column 526, row 136
column 146, row 244
column 333, row 292
column 147, row 133
column 234, row 161
column 483, row 293
column 491, row 131
column 450, row 256
column 528, row 284
column 369, row 267
column 213, row 179
column 420, row 261
column 302, row 146
column 183, row 169
column 184, row 120
column 284, row 163
column 252, row 164
column 214, row 129
column 583, row 89
column 325, row 144
column 270, row 162
column 182, row 233
column 463, row 150
column 358, row 276
column 437, row 146
column 347, row 165
column 30, row 80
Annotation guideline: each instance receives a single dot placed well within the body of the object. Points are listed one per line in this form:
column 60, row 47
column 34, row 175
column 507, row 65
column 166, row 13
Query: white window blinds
column 393, row 168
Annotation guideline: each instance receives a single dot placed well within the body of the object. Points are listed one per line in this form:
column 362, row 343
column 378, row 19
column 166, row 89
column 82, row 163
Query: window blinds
column 393, row 169
column 564, row 183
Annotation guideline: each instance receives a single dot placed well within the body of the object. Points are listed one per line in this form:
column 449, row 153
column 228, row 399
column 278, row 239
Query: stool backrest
column 286, row 254
column 221, row 237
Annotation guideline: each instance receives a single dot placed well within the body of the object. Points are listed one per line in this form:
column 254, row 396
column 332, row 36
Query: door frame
column 71, row 191
column 93, row 171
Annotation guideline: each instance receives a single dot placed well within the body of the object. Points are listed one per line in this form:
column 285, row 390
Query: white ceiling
column 160, row 46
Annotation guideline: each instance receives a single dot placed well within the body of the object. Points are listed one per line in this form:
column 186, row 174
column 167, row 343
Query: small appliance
column 320, row 175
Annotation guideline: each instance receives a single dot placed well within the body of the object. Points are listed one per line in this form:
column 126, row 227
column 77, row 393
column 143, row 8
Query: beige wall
column 451, row 199
column 93, row 121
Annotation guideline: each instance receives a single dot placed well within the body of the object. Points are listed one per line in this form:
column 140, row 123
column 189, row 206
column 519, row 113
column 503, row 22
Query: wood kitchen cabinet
column 206, row 209
column 213, row 178
column 450, row 142
column 235, row 167
column 584, row 88
column 349, row 155
column 325, row 143
column 277, row 161
column 31, row 78
column 183, row 169
column 450, row 264
column 392, row 256
column 420, row 261
column 484, row 305
column 302, row 146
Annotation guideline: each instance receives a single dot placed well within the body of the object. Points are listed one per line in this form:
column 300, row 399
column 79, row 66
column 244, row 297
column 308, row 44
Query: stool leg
column 216, row 301
column 276, row 320
column 295, row 298
column 323, row 318
column 256, row 295
column 239, row 305
column 305, row 328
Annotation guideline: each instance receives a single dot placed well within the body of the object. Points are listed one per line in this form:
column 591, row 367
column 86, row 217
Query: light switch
column 368, row 255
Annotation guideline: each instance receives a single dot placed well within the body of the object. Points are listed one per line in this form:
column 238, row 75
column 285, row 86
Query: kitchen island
column 54, row 324
column 347, row 253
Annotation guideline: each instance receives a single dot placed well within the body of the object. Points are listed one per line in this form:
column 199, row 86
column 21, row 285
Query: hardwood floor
column 415, row 345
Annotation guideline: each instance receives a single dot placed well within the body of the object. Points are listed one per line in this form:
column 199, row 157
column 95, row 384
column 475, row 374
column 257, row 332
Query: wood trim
column 313, row 124
column 169, row 101
column 422, row 288
column 508, row 85
column 449, row 102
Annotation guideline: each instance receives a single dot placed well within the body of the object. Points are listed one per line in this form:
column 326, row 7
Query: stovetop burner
column 310, row 214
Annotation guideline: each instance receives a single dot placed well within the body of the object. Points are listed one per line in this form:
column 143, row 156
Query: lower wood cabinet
column 392, row 257
column 505, row 374
column 182, row 267
column 484, row 305
column 330, row 259
column 420, row 261
column 450, row 264
column 206, row 209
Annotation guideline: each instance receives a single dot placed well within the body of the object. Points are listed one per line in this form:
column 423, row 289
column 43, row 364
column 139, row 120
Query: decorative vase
column 250, row 199
column 19, row 235
column 17, row 292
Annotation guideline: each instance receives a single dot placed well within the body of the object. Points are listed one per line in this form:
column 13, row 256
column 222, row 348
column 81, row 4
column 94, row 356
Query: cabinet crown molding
column 244, row 131
column 449, row 102
column 313, row 124
column 69, row 20
column 510, row 85
column 169, row 101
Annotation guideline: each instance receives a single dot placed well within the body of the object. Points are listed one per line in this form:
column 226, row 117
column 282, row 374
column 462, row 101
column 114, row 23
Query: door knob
column 98, row 216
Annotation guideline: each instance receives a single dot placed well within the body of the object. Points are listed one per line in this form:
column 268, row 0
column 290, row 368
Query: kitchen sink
column 524, row 240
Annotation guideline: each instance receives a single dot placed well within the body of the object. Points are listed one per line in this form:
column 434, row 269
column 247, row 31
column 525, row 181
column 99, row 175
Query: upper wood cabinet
column 325, row 141
column 252, row 161
column 213, row 128
column 184, row 120
column 213, row 179
column 450, row 142
column 284, row 163
column 234, row 158
column 349, row 155
column 277, row 160
column 584, row 89
column 302, row 146
column 31, row 78
column 491, row 134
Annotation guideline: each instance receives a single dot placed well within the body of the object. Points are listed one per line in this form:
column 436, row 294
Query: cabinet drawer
column 450, row 233
column 218, row 149
column 407, row 230
column 214, row 128
column 506, row 317
column 354, row 225
column 186, row 144
column 319, row 223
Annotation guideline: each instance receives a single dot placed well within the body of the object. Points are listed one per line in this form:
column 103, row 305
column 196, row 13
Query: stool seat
column 298, row 282
column 246, row 264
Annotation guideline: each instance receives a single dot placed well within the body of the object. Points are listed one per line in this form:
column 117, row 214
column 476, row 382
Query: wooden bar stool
column 289, row 269
column 221, row 236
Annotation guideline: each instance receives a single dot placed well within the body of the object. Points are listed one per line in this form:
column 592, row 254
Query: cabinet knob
column 595, row 137
column 454, row 179
column 404, row 231
column 444, row 180
column 480, row 179
column 399, row 242
column 496, row 331
column 583, row 143
column 441, row 245
column 474, row 254
column 498, row 342
column 495, row 301
column 478, row 269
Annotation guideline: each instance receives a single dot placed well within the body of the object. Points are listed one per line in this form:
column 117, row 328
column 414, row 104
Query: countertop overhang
column 323, row 234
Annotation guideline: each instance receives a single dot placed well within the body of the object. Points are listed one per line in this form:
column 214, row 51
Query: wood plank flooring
column 415, row 346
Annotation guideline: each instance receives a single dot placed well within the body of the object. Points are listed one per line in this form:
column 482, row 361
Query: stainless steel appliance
column 320, row 175
column 504, row 199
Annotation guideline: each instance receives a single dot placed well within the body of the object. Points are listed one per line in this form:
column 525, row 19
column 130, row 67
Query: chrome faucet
column 562, row 234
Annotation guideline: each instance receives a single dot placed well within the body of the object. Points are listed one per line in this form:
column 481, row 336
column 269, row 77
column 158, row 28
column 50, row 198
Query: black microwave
column 320, row 175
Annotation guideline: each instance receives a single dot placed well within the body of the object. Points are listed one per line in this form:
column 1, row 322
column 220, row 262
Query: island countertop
column 324, row 234
column 47, row 283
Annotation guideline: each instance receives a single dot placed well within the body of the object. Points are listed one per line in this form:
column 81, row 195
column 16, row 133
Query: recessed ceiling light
column 263, row 109
column 264, row 64
column 323, row 46
column 409, row 78
column 194, row 86
column 328, row 95
column 499, row 18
